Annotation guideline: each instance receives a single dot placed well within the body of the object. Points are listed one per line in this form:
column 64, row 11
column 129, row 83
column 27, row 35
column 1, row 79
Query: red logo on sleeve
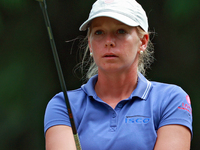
column 188, row 99
column 185, row 106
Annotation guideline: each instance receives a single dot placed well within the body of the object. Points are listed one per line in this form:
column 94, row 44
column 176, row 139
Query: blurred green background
column 28, row 77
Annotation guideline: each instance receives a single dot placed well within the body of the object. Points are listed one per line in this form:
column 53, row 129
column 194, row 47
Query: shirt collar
column 90, row 86
column 142, row 90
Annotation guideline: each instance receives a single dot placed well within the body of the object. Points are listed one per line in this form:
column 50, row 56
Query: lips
column 109, row 55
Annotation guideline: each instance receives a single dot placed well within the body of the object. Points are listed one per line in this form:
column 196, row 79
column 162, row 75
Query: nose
column 110, row 41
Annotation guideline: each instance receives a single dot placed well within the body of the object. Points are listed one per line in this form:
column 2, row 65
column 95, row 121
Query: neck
column 116, row 87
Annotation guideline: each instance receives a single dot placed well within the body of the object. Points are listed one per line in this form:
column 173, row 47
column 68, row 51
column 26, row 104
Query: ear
column 90, row 46
column 144, row 42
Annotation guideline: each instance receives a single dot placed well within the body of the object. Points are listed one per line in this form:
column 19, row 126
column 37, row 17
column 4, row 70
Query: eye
column 98, row 32
column 121, row 31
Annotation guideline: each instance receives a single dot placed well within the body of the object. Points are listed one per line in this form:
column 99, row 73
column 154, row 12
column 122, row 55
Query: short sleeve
column 176, row 108
column 56, row 112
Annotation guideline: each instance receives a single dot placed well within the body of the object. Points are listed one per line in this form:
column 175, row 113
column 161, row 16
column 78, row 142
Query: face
column 115, row 46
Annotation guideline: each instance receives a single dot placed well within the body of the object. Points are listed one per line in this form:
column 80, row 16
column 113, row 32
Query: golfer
column 118, row 108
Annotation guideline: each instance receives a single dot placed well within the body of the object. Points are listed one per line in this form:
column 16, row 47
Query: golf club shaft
column 60, row 74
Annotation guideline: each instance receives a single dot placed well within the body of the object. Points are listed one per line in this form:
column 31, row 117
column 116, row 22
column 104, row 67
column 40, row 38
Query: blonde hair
column 88, row 64
column 147, row 58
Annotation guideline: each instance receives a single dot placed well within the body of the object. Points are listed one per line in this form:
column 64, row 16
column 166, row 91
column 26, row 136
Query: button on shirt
column 134, row 122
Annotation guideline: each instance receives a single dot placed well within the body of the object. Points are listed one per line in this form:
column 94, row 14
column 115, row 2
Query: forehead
column 99, row 21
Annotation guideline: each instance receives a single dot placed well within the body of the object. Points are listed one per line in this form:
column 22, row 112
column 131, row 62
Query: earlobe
column 141, row 52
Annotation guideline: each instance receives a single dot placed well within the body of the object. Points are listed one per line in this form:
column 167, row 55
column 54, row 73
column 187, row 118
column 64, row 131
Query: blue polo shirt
column 134, row 122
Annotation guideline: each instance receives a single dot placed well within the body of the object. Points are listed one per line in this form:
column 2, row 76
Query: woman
column 119, row 109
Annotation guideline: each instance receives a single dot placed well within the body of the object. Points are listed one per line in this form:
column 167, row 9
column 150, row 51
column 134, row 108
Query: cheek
column 131, row 52
column 132, row 47
column 95, row 45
